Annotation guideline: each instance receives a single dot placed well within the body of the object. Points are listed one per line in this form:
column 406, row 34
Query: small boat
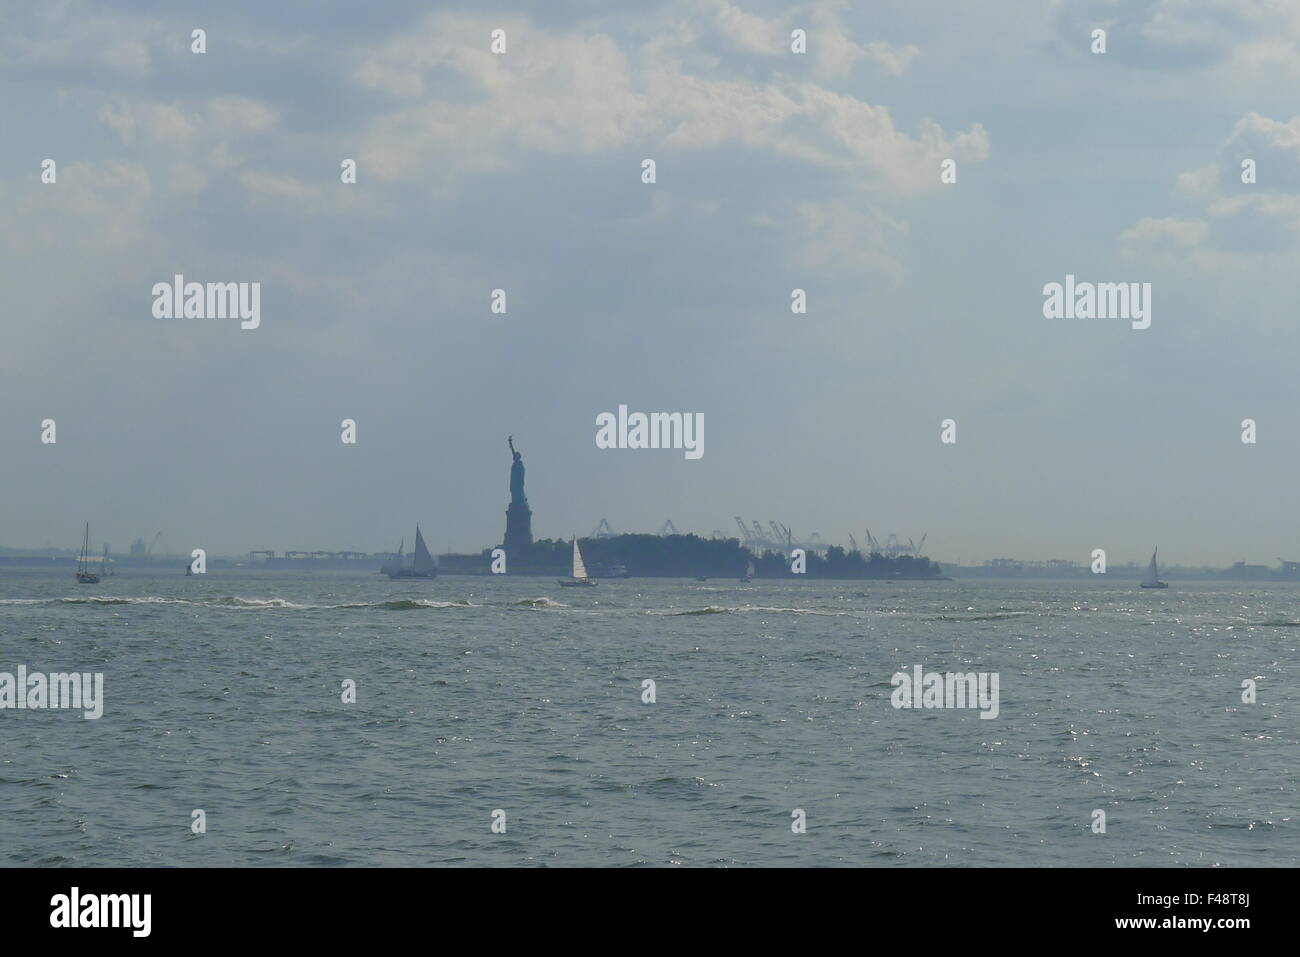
column 1153, row 579
column 613, row 570
column 422, row 563
column 84, row 575
column 579, row 578
column 749, row 573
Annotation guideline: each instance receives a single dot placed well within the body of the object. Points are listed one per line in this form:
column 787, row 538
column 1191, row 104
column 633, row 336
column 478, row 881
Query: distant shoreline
column 61, row 565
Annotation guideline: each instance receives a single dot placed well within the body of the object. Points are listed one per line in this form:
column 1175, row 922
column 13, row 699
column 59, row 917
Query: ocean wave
column 109, row 600
column 539, row 603
column 765, row 609
column 236, row 601
column 405, row 604
column 797, row 611
column 990, row 616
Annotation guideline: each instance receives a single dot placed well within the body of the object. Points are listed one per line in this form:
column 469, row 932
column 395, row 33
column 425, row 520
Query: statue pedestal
column 519, row 529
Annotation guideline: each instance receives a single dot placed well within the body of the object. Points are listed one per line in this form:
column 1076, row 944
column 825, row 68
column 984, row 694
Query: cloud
column 893, row 59
column 1234, row 39
column 747, row 32
column 458, row 108
column 831, row 50
column 216, row 121
column 1236, row 217
column 848, row 238
column 1179, row 232
column 188, row 143
column 834, row 52
column 80, row 37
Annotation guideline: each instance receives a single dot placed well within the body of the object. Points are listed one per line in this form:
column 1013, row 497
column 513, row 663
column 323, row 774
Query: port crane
column 777, row 537
column 893, row 546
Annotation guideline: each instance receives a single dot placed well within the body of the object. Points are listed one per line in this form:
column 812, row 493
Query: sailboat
column 579, row 570
column 749, row 572
column 84, row 575
column 1152, row 579
column 387, row 567
column 422, row 563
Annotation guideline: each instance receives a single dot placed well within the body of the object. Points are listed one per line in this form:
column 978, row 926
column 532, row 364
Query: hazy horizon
column 775, row 171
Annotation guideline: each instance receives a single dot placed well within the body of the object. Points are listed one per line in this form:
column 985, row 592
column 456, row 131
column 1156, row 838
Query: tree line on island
column 690, row 556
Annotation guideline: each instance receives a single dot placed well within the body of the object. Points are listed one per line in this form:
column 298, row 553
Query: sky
column 775, row 171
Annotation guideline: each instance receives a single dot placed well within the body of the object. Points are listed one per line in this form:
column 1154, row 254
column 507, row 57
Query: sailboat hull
column 1155, row 584
column 577, row 583
column 85, row 579
column 411, row 573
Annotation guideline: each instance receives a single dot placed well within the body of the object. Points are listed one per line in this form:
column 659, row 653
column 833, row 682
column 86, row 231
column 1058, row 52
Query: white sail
column 579, row 569
column 423, row 561
column 1152, row 577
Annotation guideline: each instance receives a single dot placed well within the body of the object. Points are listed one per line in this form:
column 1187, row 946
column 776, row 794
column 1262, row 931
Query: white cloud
column 834, row 52
column 1247, row 217
column 893, row 59
column 848, row 238
column 190, row 142
column 1179, row 232
column 583, row 94
column 747, row 32
column 78, row 35
column 1198, row 182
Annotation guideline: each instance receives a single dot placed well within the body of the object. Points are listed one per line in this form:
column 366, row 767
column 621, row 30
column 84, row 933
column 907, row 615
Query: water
column 476, row 694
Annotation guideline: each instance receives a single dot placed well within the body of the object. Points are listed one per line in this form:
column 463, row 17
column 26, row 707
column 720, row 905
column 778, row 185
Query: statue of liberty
column 516, row 475
column 519, row 517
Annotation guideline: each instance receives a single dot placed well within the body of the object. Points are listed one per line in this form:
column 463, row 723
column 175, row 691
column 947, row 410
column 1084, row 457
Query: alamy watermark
column 1101, row 300
column 653, row 430
column 933, row 689
column 179, row 299
column 75, row 909
column 38, row 691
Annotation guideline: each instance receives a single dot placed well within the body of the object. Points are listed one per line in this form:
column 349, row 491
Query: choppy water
column 223, row 693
